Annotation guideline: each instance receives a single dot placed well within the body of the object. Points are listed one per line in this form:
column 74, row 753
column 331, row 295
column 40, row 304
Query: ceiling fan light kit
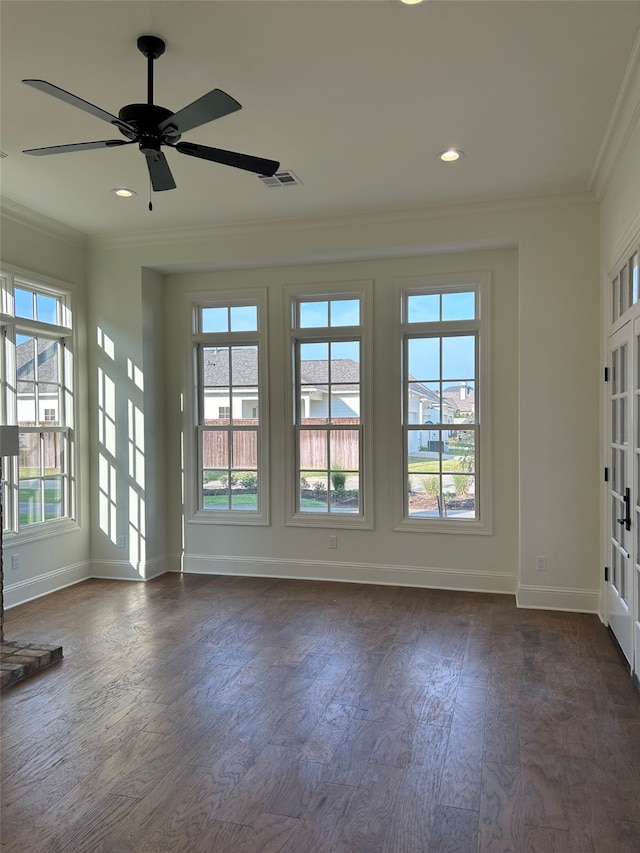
column 152, row 126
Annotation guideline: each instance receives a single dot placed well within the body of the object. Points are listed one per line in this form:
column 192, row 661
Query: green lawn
column 213, row 501
column 417, row 465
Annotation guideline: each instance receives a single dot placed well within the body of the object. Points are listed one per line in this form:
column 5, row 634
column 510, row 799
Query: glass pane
column 244, row 366
column 48, row 360
column 623, row 291
column 53, row 498
column 460, row 448
column 314, row 315
column 26, row 405
column 459, row 306
column 47, row 308
column 313, row 451
column 23, row 303
column 344, row 496
column 215, row 366
column 245, row 499
column 314, row 492
column 424, row 308
column 215, row 449
column 348, row 351
column 614, row 372
column 458, row 357
column 614, row 471
column 53, row 453
column 345, row 403
column 424, row 405
column 314, row 404
column 459, row 496
column 244, row 449
column 623, row 368
column 29, row 454
column 314, row 362
column 215, row 320
column 623, row 420
column 614, row 420
column 634, row 273
column 30, row 498
column 423, row 358
column 423, row 498
column 244, row 318
column 345, row 449
column 217, row 498
column 25, row 358
column 614, row 299
column 344, row 312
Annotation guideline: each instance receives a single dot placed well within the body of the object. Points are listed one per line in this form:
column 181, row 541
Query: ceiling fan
column 153, row 126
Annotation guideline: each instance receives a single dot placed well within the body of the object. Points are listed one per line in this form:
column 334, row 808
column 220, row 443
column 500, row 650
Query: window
column 625, row 285
column 444, row 405
column 231, row 380
column 37, row 395
column 329, row 442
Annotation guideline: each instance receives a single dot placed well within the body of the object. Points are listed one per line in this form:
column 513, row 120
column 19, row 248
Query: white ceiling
column 355, row 96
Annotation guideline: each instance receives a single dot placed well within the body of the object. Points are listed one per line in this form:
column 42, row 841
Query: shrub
column 338, row 480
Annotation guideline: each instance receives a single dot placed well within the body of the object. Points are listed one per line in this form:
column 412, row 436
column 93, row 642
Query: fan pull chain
column 150, row 204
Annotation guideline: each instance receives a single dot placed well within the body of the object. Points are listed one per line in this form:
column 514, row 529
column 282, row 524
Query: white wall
column 545, row 378
column 45, row 564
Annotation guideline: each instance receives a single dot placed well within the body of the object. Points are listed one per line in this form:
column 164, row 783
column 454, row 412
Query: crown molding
column 39, row 222
column 273, row 227
column 624, row 118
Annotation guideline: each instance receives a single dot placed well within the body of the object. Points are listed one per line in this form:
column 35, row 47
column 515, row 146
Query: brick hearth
column 22, row 660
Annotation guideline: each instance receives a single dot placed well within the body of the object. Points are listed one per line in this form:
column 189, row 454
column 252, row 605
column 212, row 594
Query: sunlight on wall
column 107, row 480
column 111, row 466
column 137, row 549
column 136, row 444
column 135, row 374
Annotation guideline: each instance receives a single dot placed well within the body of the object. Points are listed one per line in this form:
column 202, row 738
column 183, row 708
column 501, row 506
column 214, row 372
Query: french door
column 624, row 493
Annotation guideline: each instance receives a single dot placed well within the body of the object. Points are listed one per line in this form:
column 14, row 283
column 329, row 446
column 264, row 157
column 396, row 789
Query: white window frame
column 480, row 282
column 194, row 511
column 293, row 294
column 64, row 333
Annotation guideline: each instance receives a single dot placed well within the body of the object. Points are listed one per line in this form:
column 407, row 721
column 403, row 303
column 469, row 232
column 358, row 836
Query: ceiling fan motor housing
column 146, row 118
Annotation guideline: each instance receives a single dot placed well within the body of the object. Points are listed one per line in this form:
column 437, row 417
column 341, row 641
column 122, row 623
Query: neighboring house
column 427, row 407
column 242, row 401
column 462, row 399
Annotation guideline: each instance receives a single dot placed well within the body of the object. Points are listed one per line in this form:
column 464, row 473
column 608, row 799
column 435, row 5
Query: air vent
column 281, row 179
column 3, row 155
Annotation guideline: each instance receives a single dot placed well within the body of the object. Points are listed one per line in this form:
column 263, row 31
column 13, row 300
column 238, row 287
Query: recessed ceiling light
column 451, row 155
column 123, row 192
column 411, row 2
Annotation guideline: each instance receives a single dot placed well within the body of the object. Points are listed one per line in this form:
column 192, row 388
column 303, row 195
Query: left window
column 36, row 393
column 230, row 367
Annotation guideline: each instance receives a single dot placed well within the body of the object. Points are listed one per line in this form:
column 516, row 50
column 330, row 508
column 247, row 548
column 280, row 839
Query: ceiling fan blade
column 214, row 104
column 77, row 146
column 159, row 171
column 80, row 103
column 229, row 158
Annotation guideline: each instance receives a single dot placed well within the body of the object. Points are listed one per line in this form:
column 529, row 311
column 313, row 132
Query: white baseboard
column 550, row 598
column 123, row 570
column 26, row 590
column 430, row 578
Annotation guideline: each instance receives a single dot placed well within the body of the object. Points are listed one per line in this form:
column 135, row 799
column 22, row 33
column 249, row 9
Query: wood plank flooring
column 202, row 714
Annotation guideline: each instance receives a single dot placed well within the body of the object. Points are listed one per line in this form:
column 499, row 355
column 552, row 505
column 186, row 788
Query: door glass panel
column 614, row 299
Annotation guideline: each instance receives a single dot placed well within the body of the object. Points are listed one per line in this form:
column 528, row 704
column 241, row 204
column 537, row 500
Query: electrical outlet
column 333, row 542
column 15, row 561
column 122, row 541
column 541, row 564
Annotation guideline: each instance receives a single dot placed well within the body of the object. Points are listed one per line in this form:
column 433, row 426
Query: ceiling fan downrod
column 152, row 47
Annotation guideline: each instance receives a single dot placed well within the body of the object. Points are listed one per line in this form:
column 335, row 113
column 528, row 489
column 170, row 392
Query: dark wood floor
column 199, row 714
